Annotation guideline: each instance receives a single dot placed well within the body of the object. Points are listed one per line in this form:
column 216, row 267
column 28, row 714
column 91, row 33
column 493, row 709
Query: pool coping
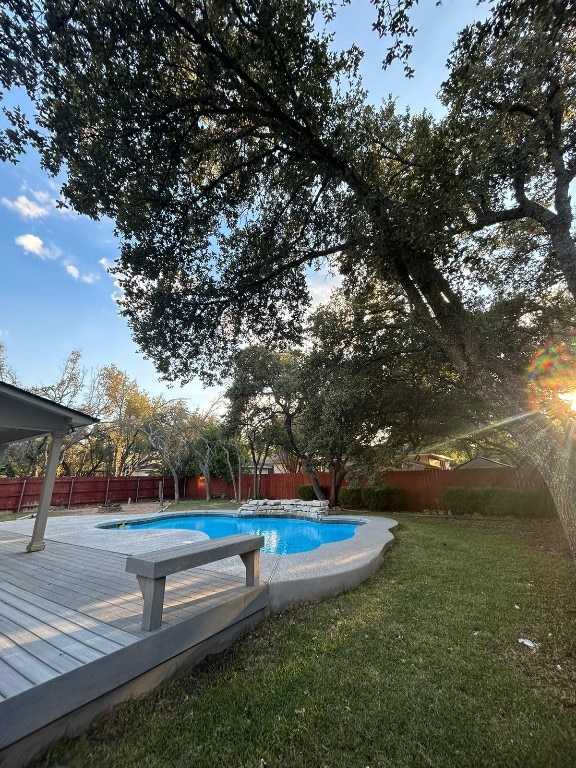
column 304, row 577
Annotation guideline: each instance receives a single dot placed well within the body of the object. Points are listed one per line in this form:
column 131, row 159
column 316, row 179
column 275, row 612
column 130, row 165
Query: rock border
column 290, row 507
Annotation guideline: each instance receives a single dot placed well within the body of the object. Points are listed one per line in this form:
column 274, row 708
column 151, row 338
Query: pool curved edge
column 309, row 576
column 334, row 568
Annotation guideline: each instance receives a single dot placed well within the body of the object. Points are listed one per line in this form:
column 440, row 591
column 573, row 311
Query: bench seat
column 151, row 568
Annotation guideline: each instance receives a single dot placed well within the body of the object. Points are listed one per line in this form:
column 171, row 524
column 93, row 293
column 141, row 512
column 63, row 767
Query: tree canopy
column 235, row 149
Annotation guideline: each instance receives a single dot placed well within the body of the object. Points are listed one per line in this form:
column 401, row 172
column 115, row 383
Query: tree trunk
column 239, row 473
column 231, row 471
column 208, row 479
column 255, row 458
column 337, row 474
column 176, row 487
column 320, row 495
column 263, row 458
column 564, row 250
column 174, row 474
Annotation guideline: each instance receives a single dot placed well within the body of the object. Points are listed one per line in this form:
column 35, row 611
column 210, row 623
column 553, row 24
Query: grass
column 185, row 506
column 420, row 666
column 190, row 505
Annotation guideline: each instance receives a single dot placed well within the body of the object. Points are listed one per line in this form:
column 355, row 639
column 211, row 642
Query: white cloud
column 73, row 271
column 27, row 208
column 105, row 264
column 48, row 200
column 33, row 244
column 88, row 277
column 39, row 196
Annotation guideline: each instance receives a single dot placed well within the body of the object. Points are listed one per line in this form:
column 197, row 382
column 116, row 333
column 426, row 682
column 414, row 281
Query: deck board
column 70, row 627
column 83, row 627
column 11, row 682
column 52, row 635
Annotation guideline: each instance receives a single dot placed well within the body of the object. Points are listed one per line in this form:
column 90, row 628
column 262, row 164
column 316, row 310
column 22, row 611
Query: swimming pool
column 282, row 535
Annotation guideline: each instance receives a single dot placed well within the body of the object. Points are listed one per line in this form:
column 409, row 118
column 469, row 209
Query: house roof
column 418, row 456
column 24, row 415
column 481, row 462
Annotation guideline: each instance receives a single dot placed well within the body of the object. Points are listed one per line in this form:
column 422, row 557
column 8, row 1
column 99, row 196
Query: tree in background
column 29, row 457
column 206, row 455
column 252, row 412
column 167, row 433
column 124, row 409
column 254, row 153
column 114, row 446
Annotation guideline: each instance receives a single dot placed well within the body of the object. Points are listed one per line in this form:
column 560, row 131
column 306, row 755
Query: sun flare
column 570, row 398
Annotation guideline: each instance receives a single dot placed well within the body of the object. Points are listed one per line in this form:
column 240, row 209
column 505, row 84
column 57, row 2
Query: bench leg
column 153, row 593
column 252, row 562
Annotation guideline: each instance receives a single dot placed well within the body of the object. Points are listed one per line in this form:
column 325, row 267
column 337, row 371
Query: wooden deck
column 71, row 643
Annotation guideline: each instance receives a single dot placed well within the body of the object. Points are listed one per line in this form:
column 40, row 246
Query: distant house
column 268, row 468
column 148, row 470
column 481, row 462
column 426, row 461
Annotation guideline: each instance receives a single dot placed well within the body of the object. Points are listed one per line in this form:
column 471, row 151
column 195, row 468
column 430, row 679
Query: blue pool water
column 282, row 535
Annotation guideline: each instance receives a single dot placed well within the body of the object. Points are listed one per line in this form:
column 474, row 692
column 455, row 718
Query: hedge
column 381, row 499
column 306, row 492
column 351, row 498
column 496, row 502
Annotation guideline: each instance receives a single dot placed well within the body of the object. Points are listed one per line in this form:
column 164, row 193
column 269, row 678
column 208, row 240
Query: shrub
column 305, row 492
column 351, row 498
column 496, row 502
column 466, row 501
column 381, row 499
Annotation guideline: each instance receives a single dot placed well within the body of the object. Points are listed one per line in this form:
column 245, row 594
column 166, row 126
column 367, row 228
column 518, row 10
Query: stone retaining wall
column 291, row 507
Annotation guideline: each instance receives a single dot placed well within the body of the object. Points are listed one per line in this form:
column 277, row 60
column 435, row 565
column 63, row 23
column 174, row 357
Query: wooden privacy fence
column 424, row 489
column 24, row 492
column 277, row 486
column 421, row 489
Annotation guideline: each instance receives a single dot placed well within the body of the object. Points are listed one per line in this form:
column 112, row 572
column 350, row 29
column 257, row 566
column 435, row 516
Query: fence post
column 107, row 488
column 137, row 489
column 21, row 494
column 70, row 494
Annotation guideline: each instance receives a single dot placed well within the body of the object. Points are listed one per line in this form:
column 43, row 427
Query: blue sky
column 55, row 292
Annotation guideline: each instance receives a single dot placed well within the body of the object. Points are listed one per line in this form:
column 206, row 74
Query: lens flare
column 552, row 373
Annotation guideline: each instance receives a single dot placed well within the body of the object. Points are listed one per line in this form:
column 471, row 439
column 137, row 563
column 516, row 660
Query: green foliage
column 351, row 498
column 496, row 502
column 255, row 154
column 306, row 493
column 381, row 499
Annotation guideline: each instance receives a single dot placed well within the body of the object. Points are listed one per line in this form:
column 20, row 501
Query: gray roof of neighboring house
column 481, row 462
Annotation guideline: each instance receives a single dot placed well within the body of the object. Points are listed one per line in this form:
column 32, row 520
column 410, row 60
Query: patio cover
column 23, row 416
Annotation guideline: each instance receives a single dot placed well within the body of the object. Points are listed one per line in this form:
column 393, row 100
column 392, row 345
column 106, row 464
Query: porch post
column 36, row 543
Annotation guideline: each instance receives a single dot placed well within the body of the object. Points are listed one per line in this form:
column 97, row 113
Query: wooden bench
column 151, row 568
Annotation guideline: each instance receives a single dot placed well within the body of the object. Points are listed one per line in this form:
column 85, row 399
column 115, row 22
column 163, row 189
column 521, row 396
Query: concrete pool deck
column 292, row 579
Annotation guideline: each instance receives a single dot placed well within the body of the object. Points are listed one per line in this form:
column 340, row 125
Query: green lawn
column 420, row 666
column 192, row 505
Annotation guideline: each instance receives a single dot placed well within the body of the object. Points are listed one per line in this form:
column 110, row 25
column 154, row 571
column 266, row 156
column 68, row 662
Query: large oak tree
column 235, row 149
